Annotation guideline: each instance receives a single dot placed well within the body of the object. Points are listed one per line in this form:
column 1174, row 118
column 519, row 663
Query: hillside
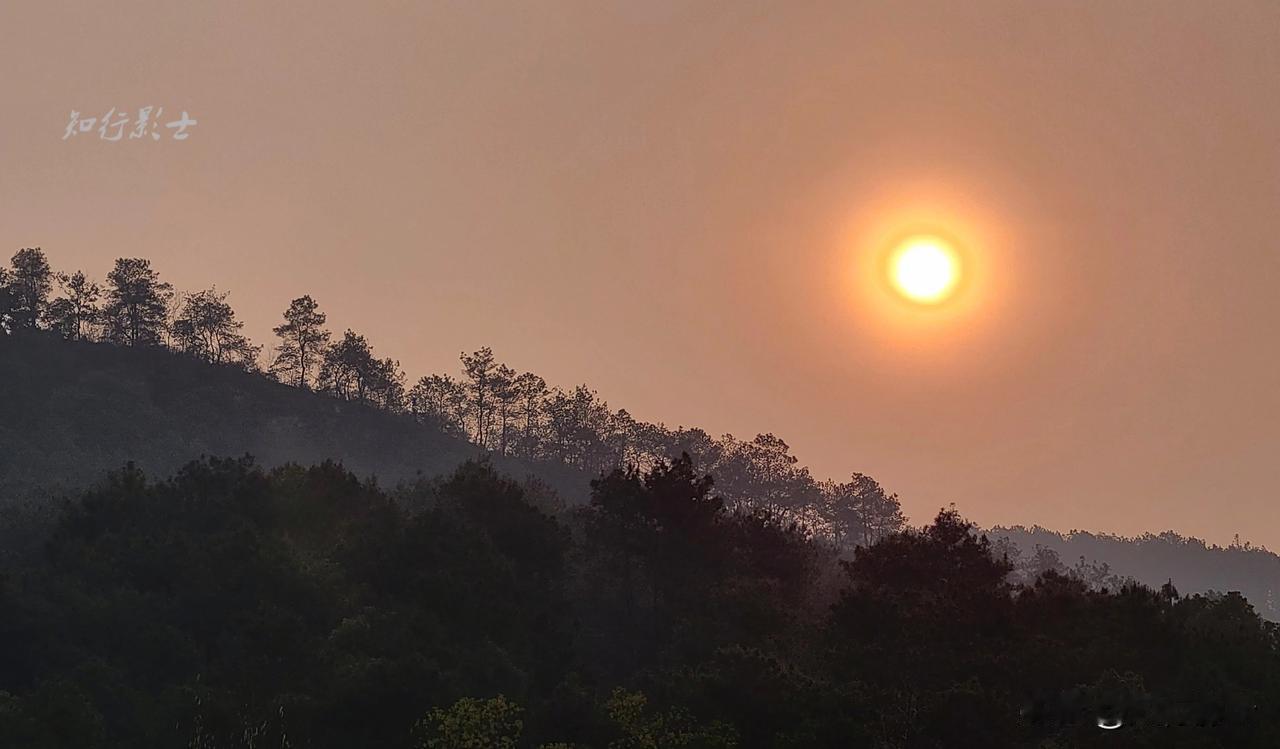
column 71, row 411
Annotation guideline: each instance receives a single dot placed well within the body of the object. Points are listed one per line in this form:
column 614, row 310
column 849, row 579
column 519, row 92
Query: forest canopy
column 233, row 606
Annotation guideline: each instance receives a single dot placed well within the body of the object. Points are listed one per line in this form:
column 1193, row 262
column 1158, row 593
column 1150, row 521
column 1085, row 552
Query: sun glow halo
column 924, row 269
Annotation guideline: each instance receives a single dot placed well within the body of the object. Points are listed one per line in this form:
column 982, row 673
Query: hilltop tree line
column 490, row 404
column 133, row 308
column 231, row 607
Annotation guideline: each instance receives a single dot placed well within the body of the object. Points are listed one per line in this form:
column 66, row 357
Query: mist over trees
column 1151, row 558
column 514, row 414
column 495, row 407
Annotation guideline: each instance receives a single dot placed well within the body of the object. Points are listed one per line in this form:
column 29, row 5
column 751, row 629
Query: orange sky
column 673, row 203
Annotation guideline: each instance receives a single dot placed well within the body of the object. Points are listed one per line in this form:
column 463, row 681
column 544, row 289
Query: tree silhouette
column 7, row 303
column 505, row 397
column 347, row 366
column 441, row 400
column 302, row 341
column 29, row 285
column 75, row 312
column 764, row 471
column 207, row 328
column 530, row 390
column 479, row 369
column 577, row 425
column 860, row 512
column 136, row 304
column 350, row 371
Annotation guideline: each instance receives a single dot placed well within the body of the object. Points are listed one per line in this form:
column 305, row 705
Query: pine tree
column 302, row 341
column 137, row 304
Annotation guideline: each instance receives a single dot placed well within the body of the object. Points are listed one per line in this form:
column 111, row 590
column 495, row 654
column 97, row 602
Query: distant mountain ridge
column 1152, row 559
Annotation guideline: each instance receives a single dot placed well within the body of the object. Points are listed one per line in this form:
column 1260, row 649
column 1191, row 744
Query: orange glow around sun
column 925, row 271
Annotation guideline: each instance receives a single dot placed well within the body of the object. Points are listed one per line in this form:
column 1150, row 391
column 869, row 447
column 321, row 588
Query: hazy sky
column 676, row 203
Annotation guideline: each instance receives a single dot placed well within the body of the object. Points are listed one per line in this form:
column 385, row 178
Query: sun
column 925, row 269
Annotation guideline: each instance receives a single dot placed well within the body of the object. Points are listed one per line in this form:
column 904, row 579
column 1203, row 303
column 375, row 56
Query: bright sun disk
column 925, row 270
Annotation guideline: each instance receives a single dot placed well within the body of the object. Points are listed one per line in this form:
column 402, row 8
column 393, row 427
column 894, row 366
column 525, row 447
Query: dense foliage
column 232, row 606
